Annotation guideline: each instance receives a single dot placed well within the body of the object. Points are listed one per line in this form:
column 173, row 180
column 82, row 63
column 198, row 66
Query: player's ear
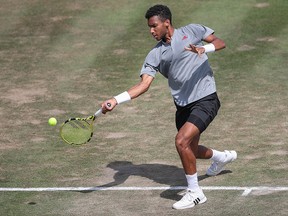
column 167, row 22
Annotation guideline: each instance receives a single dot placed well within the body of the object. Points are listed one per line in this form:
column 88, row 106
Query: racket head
column 77, row 131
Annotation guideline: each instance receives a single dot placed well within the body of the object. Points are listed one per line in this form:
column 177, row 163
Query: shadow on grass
column 159, row 173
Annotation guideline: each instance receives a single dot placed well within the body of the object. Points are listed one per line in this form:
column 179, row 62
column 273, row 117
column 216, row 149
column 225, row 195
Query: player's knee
column 181, row 142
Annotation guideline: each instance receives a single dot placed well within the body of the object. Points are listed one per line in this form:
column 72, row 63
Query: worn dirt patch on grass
column 27, row 93
column 266, row 39
column 262, row 5
column 245, row 47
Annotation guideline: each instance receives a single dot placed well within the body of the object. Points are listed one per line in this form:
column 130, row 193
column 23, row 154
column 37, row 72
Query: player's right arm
column 141, row 87
column 132, row 93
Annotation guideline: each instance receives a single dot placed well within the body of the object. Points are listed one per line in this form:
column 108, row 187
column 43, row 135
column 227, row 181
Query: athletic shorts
column 200, row 113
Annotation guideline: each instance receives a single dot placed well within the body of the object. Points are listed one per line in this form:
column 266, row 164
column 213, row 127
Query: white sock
column 218, row 156
column 192, row 181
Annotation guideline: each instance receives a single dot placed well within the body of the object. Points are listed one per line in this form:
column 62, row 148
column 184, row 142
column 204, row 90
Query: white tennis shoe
column 190, row 199
column 216, row 167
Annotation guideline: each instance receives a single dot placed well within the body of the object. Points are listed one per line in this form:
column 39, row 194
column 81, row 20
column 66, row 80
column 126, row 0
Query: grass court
column 63, row 58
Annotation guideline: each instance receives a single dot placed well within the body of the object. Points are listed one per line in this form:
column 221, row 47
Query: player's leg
column 205, row 111
column 204, row 152
column 191, row 121
column 186, row 142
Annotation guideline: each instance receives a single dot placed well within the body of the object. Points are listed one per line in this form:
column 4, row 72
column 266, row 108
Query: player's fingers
column 108, row 106
column 188, row 48
column 103, row 108
column 200, row 50
column 191, row 48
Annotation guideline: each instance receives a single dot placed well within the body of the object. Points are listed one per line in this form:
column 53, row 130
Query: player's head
column 159, row 21
column 162, row 11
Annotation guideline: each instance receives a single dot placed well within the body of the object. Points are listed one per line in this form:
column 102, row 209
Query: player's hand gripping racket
column 78, row 131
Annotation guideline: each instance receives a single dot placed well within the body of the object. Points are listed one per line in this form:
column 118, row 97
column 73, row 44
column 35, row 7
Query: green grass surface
column 63, row 58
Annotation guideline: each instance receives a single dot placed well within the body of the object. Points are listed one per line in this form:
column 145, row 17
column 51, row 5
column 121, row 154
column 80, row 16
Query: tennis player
column 181, row 57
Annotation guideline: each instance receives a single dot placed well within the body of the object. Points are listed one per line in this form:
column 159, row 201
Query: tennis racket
column 78, row 131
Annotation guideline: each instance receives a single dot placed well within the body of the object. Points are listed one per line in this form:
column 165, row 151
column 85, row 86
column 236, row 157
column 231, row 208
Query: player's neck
column 168, row 37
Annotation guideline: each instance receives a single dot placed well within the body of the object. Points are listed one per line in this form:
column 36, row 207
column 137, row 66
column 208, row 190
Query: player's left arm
column 213, row 44
column 217, row 42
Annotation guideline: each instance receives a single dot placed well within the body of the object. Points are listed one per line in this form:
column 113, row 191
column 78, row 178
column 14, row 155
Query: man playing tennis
column 180, row 56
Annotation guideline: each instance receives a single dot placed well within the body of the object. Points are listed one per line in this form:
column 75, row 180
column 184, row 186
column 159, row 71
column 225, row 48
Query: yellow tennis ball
column 52, row 121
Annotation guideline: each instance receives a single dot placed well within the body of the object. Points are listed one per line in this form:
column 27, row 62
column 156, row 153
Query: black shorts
column 200, row 113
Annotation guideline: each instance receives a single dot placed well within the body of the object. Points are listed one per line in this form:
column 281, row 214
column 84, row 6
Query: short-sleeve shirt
column 189, row 75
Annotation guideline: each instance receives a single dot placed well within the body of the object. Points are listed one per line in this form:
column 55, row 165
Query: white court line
column 247, row 190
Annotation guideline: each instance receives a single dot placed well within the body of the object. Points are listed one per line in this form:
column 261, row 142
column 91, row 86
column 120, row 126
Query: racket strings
column 77, row 131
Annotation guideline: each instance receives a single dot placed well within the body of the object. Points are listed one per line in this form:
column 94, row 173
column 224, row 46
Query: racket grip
column 99, row 112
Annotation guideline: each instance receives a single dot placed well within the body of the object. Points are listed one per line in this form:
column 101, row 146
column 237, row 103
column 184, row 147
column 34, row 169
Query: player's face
column 158, row 28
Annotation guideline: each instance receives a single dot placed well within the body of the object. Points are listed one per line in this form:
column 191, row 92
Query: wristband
column 209, row 48
column 123, row 97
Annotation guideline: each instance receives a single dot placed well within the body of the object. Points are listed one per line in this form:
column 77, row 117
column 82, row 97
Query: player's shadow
column 159, row 173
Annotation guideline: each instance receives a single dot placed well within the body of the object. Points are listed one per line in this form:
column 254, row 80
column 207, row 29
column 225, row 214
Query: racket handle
column 99, row 112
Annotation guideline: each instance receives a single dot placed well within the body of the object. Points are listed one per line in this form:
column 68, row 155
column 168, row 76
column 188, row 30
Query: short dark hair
column 159, row 10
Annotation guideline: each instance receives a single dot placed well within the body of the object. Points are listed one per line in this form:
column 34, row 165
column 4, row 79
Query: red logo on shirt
column 184, row 37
